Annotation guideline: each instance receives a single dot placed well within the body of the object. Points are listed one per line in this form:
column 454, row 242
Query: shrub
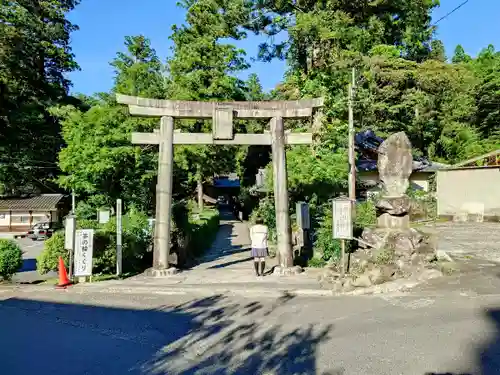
column 203, row 231
column 53, row 248
column 317, row 263
column 192, row 231
column 366, row 214
column 11, row 258
column 85, row 211
column 135, row 241
column 267, row 212
column 249, row 202
column 325, row 246
column 423, row 205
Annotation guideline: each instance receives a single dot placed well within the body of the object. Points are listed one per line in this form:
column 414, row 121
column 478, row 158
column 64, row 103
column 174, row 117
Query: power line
column 18, row 166
column 451, row 12
column 20, row 159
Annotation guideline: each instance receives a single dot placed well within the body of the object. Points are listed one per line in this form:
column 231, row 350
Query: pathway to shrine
column 230, row 250
column 225, row 268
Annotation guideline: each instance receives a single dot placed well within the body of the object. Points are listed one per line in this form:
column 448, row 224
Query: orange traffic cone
column 63, row 276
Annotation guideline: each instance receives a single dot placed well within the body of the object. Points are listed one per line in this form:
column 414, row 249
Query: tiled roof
column 44, row 202
column 371, row 166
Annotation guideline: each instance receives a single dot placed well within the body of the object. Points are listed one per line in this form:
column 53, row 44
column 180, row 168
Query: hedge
column 191, row 235
column 11, row 258
column 202, row 231
column 136, row 239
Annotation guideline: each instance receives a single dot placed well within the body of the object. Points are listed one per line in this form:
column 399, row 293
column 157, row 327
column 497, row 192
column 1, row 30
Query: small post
column 73, row 202
column 199, row 190
column 69, row 240
column 342, row 258
column 119, row 237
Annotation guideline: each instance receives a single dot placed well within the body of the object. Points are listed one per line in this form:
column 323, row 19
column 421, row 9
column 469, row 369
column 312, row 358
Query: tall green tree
column 460, row 56
column 35, row 56
column 320, row 30
column 99, row 162
column 139, row 70
column 487, row 69
column 203, row 67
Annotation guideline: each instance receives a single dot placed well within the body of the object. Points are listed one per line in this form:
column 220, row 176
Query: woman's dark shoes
column 256, row 265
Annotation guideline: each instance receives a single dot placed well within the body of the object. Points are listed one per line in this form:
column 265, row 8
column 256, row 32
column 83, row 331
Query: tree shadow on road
column 222, row 346
column 28, row 265
column 205, row 336
column 488, row 354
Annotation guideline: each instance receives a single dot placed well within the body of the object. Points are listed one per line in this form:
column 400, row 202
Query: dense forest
column 50, row 140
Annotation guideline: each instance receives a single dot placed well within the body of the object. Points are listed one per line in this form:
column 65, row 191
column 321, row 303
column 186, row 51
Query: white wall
column 14, row 220
column 4, row 218
column 467, row 190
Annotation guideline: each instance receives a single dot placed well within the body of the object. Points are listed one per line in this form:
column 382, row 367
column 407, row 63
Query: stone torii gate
column 222, row 115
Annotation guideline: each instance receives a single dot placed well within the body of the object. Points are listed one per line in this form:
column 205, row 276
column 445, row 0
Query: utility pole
column 352, row 156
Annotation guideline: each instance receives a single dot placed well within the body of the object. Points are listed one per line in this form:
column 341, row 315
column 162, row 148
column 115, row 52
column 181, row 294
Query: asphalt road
column 28, row 273
column 74, row 333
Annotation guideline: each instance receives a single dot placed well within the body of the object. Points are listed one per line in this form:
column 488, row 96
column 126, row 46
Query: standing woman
column 258, row 237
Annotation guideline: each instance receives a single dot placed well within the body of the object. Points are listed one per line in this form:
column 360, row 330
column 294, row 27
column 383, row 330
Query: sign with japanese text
column 342, row 218
column 103, row 216
column 84, row 240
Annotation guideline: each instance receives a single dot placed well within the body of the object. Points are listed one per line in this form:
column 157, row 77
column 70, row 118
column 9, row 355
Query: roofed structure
column 43, row 202
column 490, row 159
column 367, row 144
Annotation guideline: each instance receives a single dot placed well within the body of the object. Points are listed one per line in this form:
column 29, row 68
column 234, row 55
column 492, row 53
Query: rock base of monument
column 396, row 251
column 377, row 280
column 393, row 241
column 162, row 272
column 287, row 271
column 404, row 243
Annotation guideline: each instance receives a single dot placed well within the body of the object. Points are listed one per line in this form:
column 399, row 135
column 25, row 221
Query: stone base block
column 394, row 205
column 393, row 222
column 287, row 271
column 401, row 241
column 165, row 272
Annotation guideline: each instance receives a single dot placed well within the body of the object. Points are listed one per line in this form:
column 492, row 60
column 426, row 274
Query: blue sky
column 104, row 24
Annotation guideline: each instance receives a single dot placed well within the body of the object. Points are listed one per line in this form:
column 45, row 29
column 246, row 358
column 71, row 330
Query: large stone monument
column 393, row 234
column 392, row 249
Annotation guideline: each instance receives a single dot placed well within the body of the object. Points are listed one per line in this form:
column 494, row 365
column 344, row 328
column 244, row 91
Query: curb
column 210, row 291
